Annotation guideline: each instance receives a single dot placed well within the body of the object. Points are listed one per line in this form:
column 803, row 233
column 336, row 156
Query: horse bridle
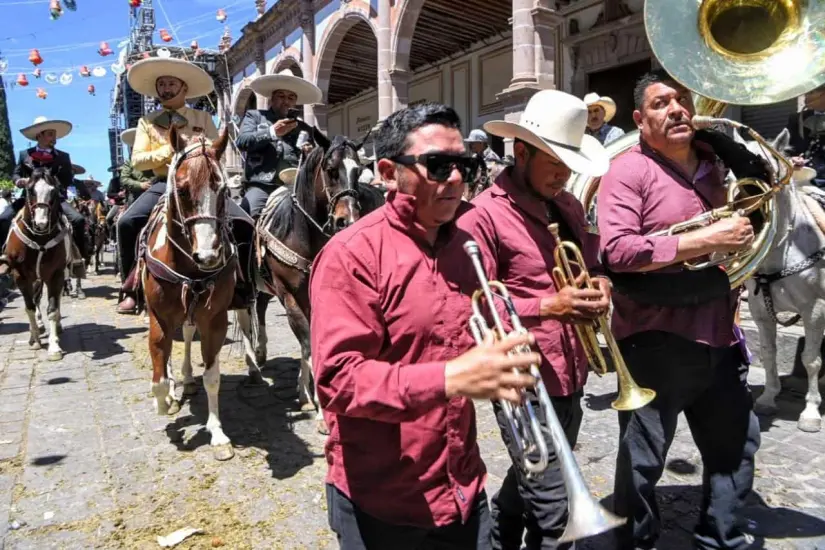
column 32, row 206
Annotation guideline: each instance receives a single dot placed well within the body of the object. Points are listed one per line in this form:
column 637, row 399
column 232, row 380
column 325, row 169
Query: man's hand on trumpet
column 576, row 305
column 487, row 371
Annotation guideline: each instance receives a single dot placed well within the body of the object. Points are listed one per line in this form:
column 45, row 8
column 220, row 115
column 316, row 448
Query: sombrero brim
column 804, row 174
column 128, row 136
column 590, row 159
column 609, row 107
column 288, row 175
column 307, row 92
column 61, row 127
column 77, row 169
column 144, row 74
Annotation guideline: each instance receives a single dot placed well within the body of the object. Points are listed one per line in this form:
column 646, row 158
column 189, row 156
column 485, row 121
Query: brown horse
column 100, row 235
column 38, row 252
column 326, row 198
column 189, row 268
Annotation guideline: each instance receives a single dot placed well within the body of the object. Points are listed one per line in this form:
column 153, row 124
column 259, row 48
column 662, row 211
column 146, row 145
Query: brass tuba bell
column 741, row 52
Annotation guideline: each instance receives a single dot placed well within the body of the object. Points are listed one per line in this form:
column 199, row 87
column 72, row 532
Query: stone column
column 524, row 44
column 385, row 61
column 400, row 89
column 260, row 63
column 320, row 114
column 307, row 20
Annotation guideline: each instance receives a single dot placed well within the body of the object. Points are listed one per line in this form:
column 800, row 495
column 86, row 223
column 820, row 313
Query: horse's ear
column 738, row 138
column 783, row 141
column 360, row 143
column 320, row 139
column 219, row 145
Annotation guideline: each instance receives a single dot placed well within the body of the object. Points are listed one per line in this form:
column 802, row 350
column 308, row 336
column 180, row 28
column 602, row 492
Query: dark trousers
column 537, row 504
column 357, row 530
column 76, row 220
column 710, row 386
column 255, row 198
column 135, row 218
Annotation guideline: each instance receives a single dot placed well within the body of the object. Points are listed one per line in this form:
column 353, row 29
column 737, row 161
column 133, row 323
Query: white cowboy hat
column 477, row 136
column 41, row 123
column 144, row 74
column 306, row 91
column 804, row 174
column 288, row 175
column 364, row 157
column 555, row 122
column 128, row 136
column 604, row 102
column 78, row 170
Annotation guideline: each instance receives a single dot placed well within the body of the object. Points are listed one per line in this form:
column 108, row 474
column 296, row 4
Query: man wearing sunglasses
column 510, row 223
column 390, row 340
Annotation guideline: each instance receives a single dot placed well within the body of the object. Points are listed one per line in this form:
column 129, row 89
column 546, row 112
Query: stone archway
column 348, row 16
column 290, row 58
column 403, row 33
column 244, row 100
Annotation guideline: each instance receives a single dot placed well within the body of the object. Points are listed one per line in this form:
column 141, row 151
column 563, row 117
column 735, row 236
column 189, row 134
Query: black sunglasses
column 440, row 165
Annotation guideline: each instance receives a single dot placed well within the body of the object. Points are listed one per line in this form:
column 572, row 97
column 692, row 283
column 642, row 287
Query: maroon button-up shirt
column 510, row 226
column 641, row 193
column 387, row 314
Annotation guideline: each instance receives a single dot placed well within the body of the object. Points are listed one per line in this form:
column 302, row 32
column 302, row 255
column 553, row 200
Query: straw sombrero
column 306, row 91
column 78, row 170
column 288, row 175
column 41, row 123
column 604, row 102
column 555, row 123
column 128, row 136
column 804, row 174
column 144, row 74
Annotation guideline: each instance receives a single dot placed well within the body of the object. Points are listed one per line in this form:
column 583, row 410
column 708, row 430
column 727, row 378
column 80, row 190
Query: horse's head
column 197, row 188
column 336, row 172
column 42, row 200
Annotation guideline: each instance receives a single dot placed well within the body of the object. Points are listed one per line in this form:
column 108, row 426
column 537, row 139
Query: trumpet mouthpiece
column 704, row 122
column 471, row 247
column 554, row 229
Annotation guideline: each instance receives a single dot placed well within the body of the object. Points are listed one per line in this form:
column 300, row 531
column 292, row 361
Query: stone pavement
column 86, row 463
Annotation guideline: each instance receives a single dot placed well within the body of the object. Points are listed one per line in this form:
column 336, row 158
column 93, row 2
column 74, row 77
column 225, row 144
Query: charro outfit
column 607, row 133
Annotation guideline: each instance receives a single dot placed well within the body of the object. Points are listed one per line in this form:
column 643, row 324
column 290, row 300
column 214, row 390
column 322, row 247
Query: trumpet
column 587, row 517
column 631, row 395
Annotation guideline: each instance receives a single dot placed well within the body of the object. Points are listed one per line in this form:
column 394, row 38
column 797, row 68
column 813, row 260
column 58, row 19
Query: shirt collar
column 400, row 211
column 707, row 159
column 526, row 201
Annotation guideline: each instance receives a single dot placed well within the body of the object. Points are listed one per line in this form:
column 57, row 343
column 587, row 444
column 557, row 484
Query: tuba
column 741, row 52
column 586, row 517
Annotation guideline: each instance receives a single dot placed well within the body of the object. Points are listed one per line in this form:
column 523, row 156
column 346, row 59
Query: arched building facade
column 485, row 58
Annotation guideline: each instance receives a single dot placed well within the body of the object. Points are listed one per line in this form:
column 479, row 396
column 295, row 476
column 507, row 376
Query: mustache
column 680, row 122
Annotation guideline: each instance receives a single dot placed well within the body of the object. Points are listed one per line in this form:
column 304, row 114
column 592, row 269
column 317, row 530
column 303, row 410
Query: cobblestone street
column 86, row 463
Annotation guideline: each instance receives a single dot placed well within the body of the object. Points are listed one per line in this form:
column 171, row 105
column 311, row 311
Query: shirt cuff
column 664, row 249
column 527, row 307
column 423, row 383
column 272, row 133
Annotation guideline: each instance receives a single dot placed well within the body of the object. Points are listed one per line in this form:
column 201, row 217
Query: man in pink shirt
column 390, row 340
column 509, row 222
column 675, row 328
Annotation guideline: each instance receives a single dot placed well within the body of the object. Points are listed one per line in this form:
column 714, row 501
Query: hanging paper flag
column 41, row 93
column 4, row 66
column 194, row 45
column 91, row 89
column 36, row 73
column 55, row 10
column 165, row 36
column 221, row 16
column 71, row 5
column 34, row 57
column 117, row 68
column 21, row 80
column 51, row 78
column 104, row 49
column 164, row 53
column 66, row 79
column 85, row 72
column 99, row 71
column 135, row 3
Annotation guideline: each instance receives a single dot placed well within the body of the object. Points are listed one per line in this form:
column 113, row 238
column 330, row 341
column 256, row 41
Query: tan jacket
column 152, row 150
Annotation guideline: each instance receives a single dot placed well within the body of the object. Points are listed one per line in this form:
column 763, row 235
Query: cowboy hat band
column 604, row 102
column 554, row 122
column 307, row 92
column 144, row 74
column 61, row 128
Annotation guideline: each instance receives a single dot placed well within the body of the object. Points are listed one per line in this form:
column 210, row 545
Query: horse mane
column 199, row 170
column 42, row 173
column 283, row 217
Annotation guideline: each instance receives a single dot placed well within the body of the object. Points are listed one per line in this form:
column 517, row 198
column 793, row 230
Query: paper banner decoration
column 34, row 58
column 164, row 53
column 135, row 3
column 85, row 72
column 91, row 89
column 71, row 5
column 165, row 36
column 55, row 10
column 99, row 71
column 117, row 68
column 104, row 49
column 51, row 78
column 4, row 66
column 41, row 93
column 22, row 80
column 66, row 79
column 221, row 15
column 36, row 73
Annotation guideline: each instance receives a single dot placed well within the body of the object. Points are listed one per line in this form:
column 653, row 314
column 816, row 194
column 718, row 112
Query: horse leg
column 810, row 420
column 160, row 348
column 766, row 404
column 244, row 318
column 79, row 294
column 189, row 387
column 33, row 311
column 212, row 340
column 53, row 293
column 307, row 396
column 261, row 304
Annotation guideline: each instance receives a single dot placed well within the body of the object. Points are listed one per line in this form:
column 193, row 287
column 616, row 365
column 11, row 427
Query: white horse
column 791, row 279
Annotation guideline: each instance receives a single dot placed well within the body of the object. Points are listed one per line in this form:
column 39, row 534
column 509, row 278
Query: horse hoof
column 174, row 408
column 260, row 359
column 223, row 452
column 810, row 425
column 55, row 355
column 308, row 407
column 322, row 428
column 81, row 295
column 190, row 389
column 41, row 328
column 34, row 344
column 765, row 410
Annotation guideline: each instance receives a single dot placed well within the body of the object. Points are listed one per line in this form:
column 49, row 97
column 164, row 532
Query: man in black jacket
column 269, row 137
column 44, row 155
column 807, row 130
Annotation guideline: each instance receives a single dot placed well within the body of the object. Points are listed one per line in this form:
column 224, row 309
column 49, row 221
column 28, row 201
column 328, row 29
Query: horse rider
column 270, row 137
column 807, row 130
column 479, row 144
column 600, row 111
column 95, row 194
column 393, row 373
column 676, row 328
column 509, row 223
column 45, row 155
column 172, row 82
column 134, row 182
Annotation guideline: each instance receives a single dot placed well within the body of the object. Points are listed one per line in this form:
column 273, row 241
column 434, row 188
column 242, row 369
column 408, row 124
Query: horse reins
column 59, row 237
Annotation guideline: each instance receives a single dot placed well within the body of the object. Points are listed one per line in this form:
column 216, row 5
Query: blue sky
column 72, row 41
